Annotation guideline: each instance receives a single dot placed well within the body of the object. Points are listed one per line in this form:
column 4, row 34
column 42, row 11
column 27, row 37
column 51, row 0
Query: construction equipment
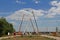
column 31, row 23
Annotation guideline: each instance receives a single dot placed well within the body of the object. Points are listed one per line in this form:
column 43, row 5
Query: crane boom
column 21, row 22
column 35, row 21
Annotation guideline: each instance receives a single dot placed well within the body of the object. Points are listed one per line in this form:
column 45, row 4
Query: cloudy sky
column 47, row 13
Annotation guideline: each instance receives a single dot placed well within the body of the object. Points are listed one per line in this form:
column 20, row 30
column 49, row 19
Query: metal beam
column 21, row 22
column 32, row 24
column 35, row 20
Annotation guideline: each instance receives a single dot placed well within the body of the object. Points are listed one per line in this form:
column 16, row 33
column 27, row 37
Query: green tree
column 5, row 27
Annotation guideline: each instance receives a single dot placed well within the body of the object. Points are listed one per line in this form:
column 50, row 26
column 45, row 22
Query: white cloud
column 20, row 2
column 36, row 1
column 51, row 12
column 55, row 3
column 17, row 15
column 55, row 10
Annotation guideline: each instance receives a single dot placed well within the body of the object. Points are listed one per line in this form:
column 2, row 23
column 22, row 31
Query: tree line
column 5, row 27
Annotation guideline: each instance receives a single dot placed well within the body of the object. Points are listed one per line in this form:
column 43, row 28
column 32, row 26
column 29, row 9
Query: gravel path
column 57, row 38
column 7, row 37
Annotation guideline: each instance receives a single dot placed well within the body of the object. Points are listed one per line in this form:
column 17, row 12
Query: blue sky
column 47, row 15
column 11, row 5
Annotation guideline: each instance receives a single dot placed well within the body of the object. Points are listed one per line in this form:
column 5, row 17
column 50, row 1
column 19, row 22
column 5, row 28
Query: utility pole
column 56, row 30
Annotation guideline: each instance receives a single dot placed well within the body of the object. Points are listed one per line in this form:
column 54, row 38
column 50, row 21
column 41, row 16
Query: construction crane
column 28, row 26
column 35, row 22
column 21, row 22
column 32, row 25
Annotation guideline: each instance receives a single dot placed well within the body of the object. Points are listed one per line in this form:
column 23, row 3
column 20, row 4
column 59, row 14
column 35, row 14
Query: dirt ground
column 29, row 38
